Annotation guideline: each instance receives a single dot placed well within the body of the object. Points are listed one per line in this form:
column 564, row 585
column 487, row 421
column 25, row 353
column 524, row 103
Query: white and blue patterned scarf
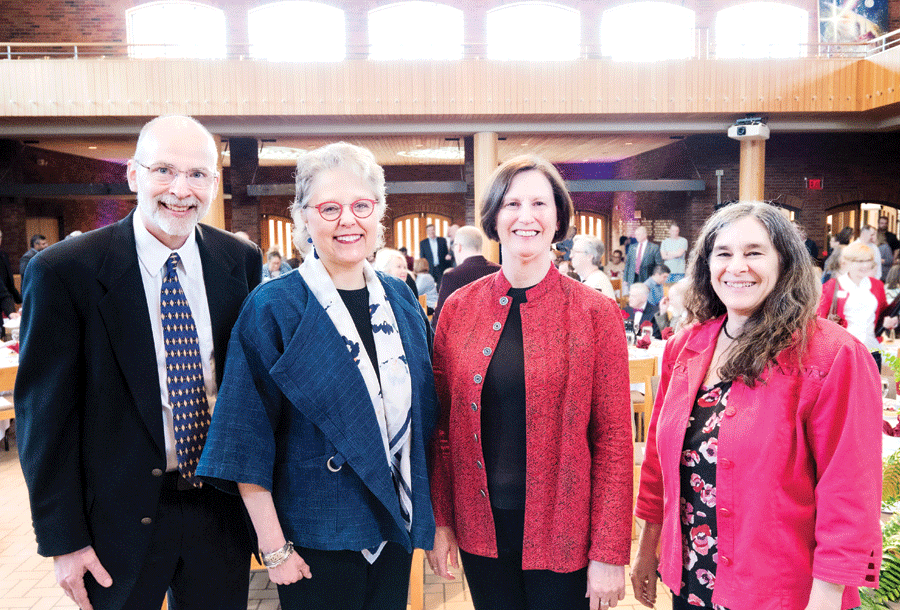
column 392, row 398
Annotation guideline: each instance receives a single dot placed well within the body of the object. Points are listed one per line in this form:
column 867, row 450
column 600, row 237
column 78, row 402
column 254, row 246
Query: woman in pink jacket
column 532, row 462
column 762, row 475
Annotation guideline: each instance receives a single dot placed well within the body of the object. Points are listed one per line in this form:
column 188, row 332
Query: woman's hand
column 605, row 584
column 825, row 596
column 444, row 546
column 292, row 570
column 891, row 321
column 643, row 577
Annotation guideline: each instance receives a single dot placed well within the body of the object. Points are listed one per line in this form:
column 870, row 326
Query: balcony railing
column 704, row 48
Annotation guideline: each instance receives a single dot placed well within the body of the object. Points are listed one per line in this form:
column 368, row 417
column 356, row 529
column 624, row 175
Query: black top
column 503, row 413
column 357, row 303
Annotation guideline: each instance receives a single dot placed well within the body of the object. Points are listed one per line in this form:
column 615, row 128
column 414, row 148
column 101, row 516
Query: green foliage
column 890, row 485
column 889, row 578
column 892, row 361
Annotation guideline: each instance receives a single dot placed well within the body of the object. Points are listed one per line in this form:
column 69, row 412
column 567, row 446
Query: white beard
column 159, row 215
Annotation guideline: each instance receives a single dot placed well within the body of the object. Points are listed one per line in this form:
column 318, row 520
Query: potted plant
column 887, row 595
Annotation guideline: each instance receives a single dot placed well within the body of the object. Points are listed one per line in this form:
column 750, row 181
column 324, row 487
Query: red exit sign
column 814, row 184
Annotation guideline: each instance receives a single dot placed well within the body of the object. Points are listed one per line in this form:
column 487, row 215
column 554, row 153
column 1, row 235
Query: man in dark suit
column 37, row 243
column 110, row 420
column 641, row 258
column 640, row 312
column 6, row 275
column 470, row 265
column 434, row 249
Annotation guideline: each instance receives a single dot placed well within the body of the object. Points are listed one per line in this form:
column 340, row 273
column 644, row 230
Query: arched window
column 415, row 30
column 762, row 29
column 176, row 29
column 647, row 31
column 534, row 31
column 409, row 230
column 276, row 232
column 297, row 31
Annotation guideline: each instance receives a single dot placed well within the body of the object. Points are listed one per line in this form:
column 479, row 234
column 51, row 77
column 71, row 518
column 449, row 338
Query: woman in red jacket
column 532, row 461
column 860, row 298
column 762, row 474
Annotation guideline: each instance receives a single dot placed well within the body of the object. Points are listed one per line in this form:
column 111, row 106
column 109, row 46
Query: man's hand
column 70, row 570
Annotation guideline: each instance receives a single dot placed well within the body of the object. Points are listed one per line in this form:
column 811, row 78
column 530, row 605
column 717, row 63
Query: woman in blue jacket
column 327, row 402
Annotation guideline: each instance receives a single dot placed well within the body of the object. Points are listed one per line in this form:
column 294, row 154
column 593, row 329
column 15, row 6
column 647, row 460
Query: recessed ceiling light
column 92, row 148
column 275, row 153
column 628, row 143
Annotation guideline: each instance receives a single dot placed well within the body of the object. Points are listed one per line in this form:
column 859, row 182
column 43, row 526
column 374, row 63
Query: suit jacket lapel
column 224, row 293
column 127, row 319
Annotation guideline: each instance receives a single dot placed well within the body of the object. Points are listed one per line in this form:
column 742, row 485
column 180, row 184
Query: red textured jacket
column 798, row 472
column 876, row 287
column 579, row 453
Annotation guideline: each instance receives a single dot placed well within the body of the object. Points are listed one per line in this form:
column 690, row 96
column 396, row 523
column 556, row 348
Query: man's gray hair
column 593, row 246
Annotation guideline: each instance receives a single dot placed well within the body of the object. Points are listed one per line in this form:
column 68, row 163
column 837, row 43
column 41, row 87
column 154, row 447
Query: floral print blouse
column 698, row 496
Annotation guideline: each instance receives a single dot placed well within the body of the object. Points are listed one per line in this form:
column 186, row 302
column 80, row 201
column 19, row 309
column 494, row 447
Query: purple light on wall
column 108, row 212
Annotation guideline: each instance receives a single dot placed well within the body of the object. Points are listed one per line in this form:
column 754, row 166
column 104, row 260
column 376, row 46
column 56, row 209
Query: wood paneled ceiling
column 574, row 148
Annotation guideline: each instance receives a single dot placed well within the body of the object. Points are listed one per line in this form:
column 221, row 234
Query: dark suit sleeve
column 657, row 259
column 7, row 302
column 48, row 411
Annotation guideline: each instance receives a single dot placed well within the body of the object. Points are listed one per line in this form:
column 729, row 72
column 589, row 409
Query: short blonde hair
column 857, row 251
column 385, row 256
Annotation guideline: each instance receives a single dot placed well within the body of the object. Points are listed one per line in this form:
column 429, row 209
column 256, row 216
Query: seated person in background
column 892, row 282
column 410, row 261
column 672, row 312
column 586, row 258
column 639, row 311
column 425, row 284
column 275, row 266
column 616, row 265
column 470, row 265
column 392, row 262
column 655, row 284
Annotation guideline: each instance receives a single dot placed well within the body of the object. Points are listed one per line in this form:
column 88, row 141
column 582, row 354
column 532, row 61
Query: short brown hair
column 499, row 183
column 421, row 265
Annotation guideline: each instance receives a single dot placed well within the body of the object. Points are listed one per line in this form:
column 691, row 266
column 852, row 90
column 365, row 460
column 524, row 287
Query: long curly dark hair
column 784, row 318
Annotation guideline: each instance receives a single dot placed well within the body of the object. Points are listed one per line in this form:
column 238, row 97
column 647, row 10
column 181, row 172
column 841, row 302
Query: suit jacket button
column 478, row 378
column 497, row 326
column 486, row 351
column 483, row 495
column 504, row 300
column 156, row 472
column 478, row 463
column 146, row 521
column 474, row 407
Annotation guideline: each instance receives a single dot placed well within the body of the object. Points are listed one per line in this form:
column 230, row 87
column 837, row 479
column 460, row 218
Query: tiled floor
column 27, row 580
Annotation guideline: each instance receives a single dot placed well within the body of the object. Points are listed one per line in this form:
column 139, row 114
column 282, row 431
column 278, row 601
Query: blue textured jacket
column 292, row 399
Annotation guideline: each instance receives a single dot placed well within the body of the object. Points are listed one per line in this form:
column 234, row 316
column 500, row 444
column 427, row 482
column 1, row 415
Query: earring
column 309, row 240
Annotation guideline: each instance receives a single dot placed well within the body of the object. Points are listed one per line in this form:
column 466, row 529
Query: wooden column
column 485, row 164
column 215, row 217
column 753, row 170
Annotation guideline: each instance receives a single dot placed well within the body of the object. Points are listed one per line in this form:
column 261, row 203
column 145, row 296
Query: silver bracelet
column 276, row 558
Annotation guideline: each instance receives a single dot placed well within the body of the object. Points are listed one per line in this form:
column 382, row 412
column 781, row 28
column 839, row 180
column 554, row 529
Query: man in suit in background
column 639, row 311
column 434, row 249
column 641, row 258
column 470, row 265
column 37, row 242
column 124, row 332
column 6, row 275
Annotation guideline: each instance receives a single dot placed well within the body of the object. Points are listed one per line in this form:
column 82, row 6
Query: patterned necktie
column 184, row 373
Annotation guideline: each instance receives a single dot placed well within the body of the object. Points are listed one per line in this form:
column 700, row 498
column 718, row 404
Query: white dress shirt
column 152, row 255
column 432, row 242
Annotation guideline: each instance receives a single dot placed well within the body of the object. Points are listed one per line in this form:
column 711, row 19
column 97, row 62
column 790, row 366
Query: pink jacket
column 579, row 452
column 798, row 474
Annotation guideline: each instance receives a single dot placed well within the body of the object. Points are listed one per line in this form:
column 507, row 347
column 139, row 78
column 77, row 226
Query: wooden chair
column 642, row 371
column 423, row 302
column 617, row 286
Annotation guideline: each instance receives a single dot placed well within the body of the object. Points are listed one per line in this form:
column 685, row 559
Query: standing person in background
column 674, row 252
column 761, row 485
column 885, row 236
column 811, row 246
column 451, row 238
column 109, row 433
column 867, row 237
column 587, row 258
column 37, row 242
column 832, row 264
column 434, row 249
column 532, row 462
column 410, row 262
column 641, row 258
column 470, row 265
column 6, row 276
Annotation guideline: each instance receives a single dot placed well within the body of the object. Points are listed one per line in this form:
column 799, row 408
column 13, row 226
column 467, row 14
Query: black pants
column 502, row 584
column 199, row 553
column 344, row 580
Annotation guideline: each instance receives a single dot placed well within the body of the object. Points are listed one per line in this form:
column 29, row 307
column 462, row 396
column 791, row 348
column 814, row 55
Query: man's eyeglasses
column 164, row 175
column 331, row 210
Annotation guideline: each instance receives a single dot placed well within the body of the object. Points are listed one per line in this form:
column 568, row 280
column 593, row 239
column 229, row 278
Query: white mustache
column 169, row 199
